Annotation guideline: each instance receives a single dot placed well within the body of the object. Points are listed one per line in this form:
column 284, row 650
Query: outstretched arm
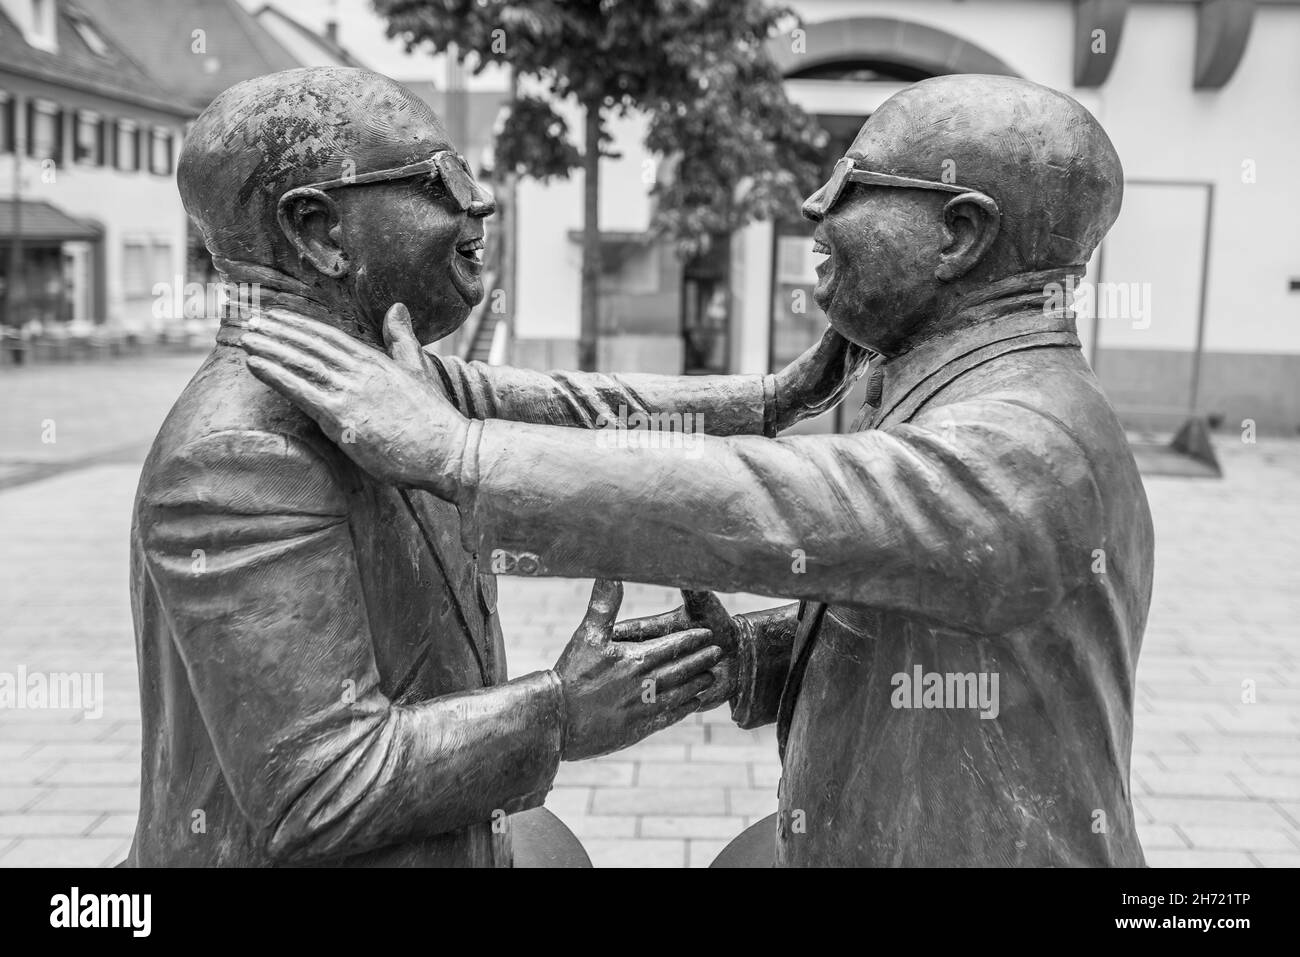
column 721, row 405
column 952, row 517
column 716, row 404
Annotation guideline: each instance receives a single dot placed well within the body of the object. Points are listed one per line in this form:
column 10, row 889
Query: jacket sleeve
column 980, row 517
column 717, row 404
column 248, row 545
column 763, row 661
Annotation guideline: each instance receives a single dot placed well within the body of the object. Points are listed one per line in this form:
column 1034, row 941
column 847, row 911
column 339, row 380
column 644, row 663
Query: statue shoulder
column 231, row 441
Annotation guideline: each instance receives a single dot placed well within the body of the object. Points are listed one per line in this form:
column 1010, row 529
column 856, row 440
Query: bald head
column 1038, row 153
column 954, row 184
column 274, row 171
column 265, row 136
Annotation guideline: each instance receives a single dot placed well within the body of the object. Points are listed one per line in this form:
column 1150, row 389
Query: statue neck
column 255, row 288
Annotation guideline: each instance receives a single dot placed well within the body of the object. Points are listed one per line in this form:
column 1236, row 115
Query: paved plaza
column 1216, row 779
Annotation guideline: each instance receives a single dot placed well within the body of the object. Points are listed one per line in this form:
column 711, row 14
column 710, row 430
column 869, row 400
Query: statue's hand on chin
column 388, row 413
column 819, row 379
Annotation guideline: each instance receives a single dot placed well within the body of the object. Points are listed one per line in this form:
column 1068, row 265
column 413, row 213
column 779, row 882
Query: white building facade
column 1197, row 288
column 88, row 146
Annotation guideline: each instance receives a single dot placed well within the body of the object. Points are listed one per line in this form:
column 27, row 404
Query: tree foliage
column 735, row 147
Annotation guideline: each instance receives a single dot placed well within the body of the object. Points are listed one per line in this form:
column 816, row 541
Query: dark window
column 863, row 71
column 44, row 131
column 127, row 154
column 706, row 310
column 88, row 147
column 6, row 123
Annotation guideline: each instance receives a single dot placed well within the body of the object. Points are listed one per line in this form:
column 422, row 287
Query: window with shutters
column 160, row 153
column 88, row 146
column 128, row 145
column 44, row 137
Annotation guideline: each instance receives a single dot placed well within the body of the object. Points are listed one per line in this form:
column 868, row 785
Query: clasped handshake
column 624, row 681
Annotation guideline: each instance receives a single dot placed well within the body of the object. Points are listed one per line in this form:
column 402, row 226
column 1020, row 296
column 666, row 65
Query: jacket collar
column 1028, row 304
column 257, row 290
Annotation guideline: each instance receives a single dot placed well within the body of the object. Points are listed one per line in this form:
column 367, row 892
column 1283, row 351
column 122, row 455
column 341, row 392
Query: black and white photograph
column 826, row 434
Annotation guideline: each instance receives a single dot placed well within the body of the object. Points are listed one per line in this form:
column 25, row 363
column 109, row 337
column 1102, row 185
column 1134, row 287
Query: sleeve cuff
column 770, row 424
column 541, row 699
column 744, row 703
column 467, row 496
column 762, row 662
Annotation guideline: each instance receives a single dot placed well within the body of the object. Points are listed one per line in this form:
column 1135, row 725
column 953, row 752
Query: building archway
column 900, row 49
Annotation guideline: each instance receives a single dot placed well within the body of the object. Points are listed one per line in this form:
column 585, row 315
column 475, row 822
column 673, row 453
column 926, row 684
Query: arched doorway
column 884, row 44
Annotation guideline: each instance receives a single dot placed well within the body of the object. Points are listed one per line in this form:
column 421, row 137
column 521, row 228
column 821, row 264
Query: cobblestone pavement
column 1216, row 780
column 55, row 417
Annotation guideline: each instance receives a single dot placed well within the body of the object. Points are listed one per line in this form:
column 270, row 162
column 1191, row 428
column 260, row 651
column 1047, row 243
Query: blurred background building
column 89, row 216
column 1197, row 289
column 1199, row 282
column 95, row 98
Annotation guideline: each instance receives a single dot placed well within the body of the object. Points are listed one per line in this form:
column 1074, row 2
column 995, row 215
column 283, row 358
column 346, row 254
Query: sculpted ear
column 310, row 220
column 972, row 221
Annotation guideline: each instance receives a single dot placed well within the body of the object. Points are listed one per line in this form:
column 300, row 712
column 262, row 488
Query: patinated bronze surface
column 984, row 521
column 322, row 671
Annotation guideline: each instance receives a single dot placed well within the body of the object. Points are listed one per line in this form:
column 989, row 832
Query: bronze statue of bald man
column 322, row 671
column 974, row 560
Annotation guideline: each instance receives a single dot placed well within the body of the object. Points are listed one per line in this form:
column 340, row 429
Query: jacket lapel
column 810, row 619
column 896, row 406
column 904, row 404
column 462, row 581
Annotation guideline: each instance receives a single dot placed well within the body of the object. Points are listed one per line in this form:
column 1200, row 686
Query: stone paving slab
column 61, row 412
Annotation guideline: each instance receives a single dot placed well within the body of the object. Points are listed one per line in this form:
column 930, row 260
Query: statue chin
column 441, row 325
column 467, row 277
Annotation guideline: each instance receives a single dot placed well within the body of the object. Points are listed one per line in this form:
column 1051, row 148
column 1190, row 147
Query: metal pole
column 16, row 243
column 1195, row 399
column 510, row 236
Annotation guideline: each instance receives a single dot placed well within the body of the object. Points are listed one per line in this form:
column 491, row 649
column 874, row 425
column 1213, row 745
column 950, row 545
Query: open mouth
column 471, row 250
column 821, row 250
column 467, row 269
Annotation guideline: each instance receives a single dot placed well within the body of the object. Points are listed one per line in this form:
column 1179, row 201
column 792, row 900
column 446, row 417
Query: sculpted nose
column 814, row 207
column 482, row 204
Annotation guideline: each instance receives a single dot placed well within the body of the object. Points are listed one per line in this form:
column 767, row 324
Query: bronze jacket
column 986, row 523
column 322, row 674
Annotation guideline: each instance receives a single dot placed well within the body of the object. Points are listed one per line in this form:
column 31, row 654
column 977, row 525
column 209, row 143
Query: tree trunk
column 590, row 241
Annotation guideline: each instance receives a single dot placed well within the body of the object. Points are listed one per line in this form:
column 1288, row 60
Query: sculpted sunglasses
column 847, row 171
column 446, row 165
